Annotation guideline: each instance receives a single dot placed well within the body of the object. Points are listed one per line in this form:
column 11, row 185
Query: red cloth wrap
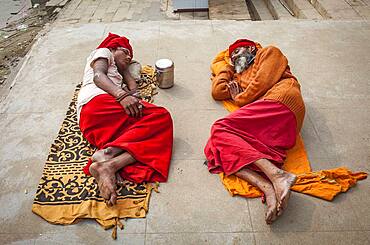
column 262, row 129
column 149, row 139
column 240, row 43
column 114, row 41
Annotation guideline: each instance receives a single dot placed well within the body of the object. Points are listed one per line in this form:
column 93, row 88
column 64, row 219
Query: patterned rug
column 65, row 194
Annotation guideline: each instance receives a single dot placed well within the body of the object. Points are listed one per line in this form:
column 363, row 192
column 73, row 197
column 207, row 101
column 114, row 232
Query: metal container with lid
column 165, row 73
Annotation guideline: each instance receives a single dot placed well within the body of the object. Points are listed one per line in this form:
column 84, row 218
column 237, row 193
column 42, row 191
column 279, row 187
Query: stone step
column 56, row 3
column 228, row 10
column 303, row 9
column 278, row 11
column 335, row 9
column 259, row 10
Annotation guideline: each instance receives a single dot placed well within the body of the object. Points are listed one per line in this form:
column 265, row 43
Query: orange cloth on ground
column 269, row 77
column 325, row 184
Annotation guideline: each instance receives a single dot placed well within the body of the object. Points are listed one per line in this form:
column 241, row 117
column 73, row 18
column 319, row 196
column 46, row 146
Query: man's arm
column 130, row 104
column 220, row 90
column 130, row 81
column 270, row 65
column 101, row 79
column 222, row 74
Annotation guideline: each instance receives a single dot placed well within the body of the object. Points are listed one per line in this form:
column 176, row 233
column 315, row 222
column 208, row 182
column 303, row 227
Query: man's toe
column 119, row 179
column 113, row 198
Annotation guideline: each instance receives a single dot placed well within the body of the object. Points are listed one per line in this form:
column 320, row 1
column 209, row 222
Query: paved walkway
column 300, row 9
column 193, row 207
column 87, row 11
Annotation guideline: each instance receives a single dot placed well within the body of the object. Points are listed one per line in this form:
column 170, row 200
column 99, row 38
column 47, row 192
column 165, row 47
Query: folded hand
column 234, row 89
column 132, row 106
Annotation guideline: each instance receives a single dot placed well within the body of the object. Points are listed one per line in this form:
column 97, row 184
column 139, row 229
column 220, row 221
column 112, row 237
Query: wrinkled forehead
column 124, row 50
column 238, row 51
column 243, row 49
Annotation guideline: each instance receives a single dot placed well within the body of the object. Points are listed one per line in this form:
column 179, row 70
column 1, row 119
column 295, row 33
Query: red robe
column 149, row 139
column 262, row 129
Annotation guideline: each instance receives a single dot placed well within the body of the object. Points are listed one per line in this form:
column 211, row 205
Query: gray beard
column 242, row 62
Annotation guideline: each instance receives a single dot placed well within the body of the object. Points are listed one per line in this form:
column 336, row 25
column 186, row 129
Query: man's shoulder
column 270, row 48
column 101, row 52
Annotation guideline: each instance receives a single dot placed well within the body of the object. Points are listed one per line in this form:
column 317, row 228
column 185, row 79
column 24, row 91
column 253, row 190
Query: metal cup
column 165, row 73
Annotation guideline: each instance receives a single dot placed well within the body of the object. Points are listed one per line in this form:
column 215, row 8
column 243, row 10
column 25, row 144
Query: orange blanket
column 325, row 184
column 269, row 77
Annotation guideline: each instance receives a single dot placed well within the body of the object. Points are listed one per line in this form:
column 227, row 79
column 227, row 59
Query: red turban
column 114, row 41
column 241, row 43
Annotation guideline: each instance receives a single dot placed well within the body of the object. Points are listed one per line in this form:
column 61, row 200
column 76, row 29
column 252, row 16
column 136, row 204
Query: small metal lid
column 163, row 63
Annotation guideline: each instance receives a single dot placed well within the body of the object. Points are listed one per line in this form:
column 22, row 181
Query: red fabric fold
column 262, row 129
column 149, row 139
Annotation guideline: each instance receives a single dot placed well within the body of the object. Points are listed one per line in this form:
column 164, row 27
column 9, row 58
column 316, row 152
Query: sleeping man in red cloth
column 134, row 137
column 252, row 142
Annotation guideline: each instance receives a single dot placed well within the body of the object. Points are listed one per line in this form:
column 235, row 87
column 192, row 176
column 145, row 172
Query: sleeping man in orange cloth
column 251, row 143
column 134, row 137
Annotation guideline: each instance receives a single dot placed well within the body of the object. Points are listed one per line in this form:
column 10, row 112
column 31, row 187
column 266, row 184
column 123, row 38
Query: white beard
column 240, row 64
column 243, row 61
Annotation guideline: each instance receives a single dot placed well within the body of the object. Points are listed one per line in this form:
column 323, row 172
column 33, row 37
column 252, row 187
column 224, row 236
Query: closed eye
column 127, row 52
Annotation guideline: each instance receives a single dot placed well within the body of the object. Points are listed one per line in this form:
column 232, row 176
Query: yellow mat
column 66, row 195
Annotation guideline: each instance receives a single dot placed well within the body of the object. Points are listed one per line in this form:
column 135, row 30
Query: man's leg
column 265, row 186
column 106, row 154
column 281, row 180
column 105, row 174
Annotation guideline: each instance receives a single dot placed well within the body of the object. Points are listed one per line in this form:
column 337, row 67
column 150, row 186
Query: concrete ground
column 331, row 60
column 92, row 11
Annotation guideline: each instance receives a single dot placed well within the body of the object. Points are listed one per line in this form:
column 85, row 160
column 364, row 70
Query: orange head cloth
column 241, row 43
column 114, row 41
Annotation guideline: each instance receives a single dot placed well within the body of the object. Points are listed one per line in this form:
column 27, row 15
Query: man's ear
column 252, row 49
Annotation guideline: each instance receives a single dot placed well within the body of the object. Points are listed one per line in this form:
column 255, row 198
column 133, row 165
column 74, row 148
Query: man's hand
column 234, row 89
column 132, row 106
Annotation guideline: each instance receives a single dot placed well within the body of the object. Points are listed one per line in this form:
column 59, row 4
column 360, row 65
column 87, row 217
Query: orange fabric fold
column 324, row 184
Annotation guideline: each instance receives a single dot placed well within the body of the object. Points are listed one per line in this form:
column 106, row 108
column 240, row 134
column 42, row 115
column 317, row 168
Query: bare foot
column 106, row 178
column 267, row 188
column 105, row 155
column 271, row 202
column 282, row 182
